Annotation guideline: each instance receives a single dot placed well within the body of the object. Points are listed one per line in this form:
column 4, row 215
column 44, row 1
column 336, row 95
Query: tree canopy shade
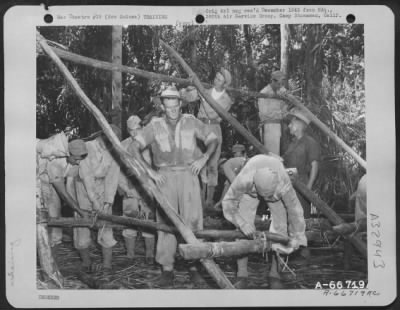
column 325, row 68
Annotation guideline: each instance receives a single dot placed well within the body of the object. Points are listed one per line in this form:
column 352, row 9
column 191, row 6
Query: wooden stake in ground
column 136, row 168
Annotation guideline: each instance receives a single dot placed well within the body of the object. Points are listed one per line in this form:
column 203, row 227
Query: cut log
column 136, row 167
column 221, row 249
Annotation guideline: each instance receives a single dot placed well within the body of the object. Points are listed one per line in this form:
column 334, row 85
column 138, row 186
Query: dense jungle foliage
column 324, row 64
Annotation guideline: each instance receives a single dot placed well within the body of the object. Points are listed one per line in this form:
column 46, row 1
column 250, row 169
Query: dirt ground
column 325, row 264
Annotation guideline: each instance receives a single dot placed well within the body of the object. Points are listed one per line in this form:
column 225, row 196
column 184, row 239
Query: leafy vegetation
column 325, row 69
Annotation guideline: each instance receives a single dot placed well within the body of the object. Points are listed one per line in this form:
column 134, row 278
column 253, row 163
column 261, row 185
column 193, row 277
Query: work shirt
column 300, row 154
column 233, row 166
column 99, row 168
column 243, row 185
column 271, row 109
column 51, row 155
column 205, row 110
column 171, row 145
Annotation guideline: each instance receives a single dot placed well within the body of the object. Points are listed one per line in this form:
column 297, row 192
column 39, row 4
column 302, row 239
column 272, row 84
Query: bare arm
column 313, row 174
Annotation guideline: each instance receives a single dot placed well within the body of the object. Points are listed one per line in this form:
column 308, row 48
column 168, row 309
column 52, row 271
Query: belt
column 271, row 121
column 209, row 121
column 174, row 168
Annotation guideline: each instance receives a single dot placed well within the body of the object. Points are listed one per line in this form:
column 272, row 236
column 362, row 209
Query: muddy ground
column 325, row 264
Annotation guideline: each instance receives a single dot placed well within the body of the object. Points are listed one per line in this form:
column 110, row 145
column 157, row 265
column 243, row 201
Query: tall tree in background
column 116, row 83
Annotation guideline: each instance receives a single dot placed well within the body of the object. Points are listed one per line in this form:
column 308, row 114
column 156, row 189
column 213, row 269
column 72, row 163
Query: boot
column 196, row 278
column 241, row 282
column 86, row 260
column 210, row 197
column 149, row 245
column 130, row 247
column 166, row 279
column 107, row 258
column 55, row 252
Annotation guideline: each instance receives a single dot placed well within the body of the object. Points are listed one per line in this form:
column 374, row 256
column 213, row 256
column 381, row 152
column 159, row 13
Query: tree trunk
column 116, row 89
column 313, row 62
column 285, row 35
column 221, row 249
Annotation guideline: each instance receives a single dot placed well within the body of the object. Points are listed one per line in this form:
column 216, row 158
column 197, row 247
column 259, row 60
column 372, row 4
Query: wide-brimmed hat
column 300, row 115
column 171, row 93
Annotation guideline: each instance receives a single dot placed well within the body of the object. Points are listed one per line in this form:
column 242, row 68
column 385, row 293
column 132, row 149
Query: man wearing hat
column 133, row 203
column 265, row 176
column 95, row 187
column 178, row 160
column 209, row 175
column 55, row 158
column 303, row 153
column 271, row 112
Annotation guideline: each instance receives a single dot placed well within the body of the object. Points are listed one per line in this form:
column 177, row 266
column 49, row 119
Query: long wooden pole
column 136, row 167
column 331, row 215
column 86, row 61
column 126, row 222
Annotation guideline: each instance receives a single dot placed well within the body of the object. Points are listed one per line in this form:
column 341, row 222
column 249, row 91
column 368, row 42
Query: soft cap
column 266, row 181
column 133, row 122
column 77, row 147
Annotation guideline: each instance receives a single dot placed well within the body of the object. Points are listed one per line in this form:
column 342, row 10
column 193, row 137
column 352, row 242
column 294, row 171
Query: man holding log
column 209, row 175
column 271, row 112
column 265, row 176
column 133, row 203
column 55, row 158
column 96, row 186
column 172, row 139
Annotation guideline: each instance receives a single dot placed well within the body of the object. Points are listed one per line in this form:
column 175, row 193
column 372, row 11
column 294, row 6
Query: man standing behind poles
column 96, row 186
column 303, row 153
column 178, row 160
column 209, row 175
column 265, row 176
column 133, row 204
column 55, row 158
column 271, row 112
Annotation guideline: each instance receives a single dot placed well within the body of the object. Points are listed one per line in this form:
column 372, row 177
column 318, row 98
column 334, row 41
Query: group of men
column 88, row 175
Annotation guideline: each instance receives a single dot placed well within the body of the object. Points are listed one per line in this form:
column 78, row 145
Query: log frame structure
column 140, row 172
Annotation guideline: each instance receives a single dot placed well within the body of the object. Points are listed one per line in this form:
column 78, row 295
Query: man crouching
column 265, row 176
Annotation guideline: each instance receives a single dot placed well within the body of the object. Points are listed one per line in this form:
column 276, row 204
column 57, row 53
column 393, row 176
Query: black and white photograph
column 203, row 156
